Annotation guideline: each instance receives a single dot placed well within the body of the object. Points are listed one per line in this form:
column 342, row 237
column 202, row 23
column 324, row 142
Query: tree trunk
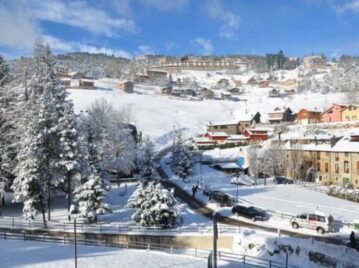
column 69, row 197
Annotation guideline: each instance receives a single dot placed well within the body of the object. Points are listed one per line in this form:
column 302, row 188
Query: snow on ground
column 288, row 199
column 117, row 198
column 263, row 244
column 40, row 254
column 157, row 115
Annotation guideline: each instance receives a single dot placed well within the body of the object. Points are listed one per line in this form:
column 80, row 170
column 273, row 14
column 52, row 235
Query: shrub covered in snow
column 344, row 193
column 155, row 206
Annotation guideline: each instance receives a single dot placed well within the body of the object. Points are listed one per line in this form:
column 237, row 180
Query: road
column 201, row 208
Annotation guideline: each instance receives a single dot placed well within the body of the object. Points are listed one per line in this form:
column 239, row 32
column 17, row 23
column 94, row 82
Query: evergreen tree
column 155, row 206
column 181, row 159
column 146, row 166
column 90, row 197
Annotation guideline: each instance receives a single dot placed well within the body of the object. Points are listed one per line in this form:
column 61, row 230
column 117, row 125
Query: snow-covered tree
column 155, row 206
column 181, row 158
column 146, row 170
column 91, row 198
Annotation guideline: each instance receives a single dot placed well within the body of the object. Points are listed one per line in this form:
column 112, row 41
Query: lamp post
column 215, row 237
column 74, row 213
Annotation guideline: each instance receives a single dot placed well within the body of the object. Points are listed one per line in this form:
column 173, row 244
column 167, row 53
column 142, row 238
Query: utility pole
column 75, row 242
column 215, row 237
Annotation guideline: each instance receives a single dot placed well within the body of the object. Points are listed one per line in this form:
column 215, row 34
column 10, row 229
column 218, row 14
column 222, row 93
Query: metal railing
column 195, row 252
column 112, row 228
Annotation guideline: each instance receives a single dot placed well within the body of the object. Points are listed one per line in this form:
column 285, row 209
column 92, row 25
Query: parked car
column 282, row 180
column 254, row 213
column 222, row 198
column 242, row 179
column 321, row 222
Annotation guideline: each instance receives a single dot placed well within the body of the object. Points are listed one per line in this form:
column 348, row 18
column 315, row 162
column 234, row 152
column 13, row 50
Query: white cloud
column 145, row 50
column 216, row 10
column 170, row 45
column 18, row 28
column 205, row 44
column 81, row 15
column 165, row 5
column 104, row 50
column 351, row 5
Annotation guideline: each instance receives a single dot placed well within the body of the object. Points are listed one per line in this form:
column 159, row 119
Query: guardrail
column 68, row 226
column 199, row 253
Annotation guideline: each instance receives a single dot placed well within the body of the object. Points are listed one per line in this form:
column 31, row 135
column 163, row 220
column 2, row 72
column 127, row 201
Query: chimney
column 315, row 140
column 332, row 141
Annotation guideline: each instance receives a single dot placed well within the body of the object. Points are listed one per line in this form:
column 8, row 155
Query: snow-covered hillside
column 156, row 115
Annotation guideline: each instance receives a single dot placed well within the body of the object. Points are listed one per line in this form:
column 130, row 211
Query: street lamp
column 215, row 237
column 74, row 213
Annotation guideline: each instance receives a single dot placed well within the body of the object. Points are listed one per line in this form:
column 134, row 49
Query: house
column 350, row 113
column 156, row 75
column 66, row 81
column 333, row 162
column 166, row 90
column 86, row 83
column 247, row 120
column 237, row 139
column 76, row 75
column 281, row 115
column 252, row 81
column 224, row 82
column 203, row 142
column 218, row 137
column 264, row 84
column 290, row 85
column 230, row 168
column 125, row 86
column 237, row 83
column 256, row 134
column 207, row 93
column 274, row 93
column 225, row 95
column 234, row 91
column 230, row 128
column 61, row 71
column 306, row 117
column 314, row 62
column 333, row 114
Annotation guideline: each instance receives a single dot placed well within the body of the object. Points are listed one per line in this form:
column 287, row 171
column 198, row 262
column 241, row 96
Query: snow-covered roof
column 225, row 123
column 202, row 140
column 217, row 134
column 237, row 137
column 87, row 80
column 245, row 117
column 227, row 165
column 344, row 144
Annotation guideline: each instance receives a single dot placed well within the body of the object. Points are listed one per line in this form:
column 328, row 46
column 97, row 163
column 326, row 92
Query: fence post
column 148, row 247
column 171, row 249
column 244, row 259
column 13, row 222
column 270, row 264
column 29, row 224
column 5, row 235
column 64, row 239
column 286, row 260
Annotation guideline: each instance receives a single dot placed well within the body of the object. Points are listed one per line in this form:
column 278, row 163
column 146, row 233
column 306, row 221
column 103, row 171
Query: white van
column 319, row 221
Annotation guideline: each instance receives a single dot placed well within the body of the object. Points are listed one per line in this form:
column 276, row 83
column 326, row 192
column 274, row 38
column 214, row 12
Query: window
column 318, row 155
column 346, row 167
column 223, row 127
column 337, row 168
column 303, row 216
column 318, row 166
column 336, row 156
column 346, row 154
column 326, row 167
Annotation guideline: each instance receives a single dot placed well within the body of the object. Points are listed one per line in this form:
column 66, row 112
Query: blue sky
column 130, row 28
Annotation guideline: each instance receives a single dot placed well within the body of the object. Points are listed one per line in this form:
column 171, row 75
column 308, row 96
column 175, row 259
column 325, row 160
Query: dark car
column 253, row 213
column 219, row 197
column 282, row 180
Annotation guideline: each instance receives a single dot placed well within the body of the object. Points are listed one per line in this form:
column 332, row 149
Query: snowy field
column 47, row 255
column 117, row 198
column 157, row 115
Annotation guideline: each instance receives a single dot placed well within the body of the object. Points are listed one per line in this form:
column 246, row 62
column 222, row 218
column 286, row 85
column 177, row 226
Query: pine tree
column 71, row 162
column 146, row 166
column 155, row 206
column 181, row 159
column 90, row 197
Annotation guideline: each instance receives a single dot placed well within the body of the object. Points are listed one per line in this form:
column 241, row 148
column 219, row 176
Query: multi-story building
column 306, row 117
column 350, row 113
column 326, row 161
column 315, row 62
column 333, row 114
